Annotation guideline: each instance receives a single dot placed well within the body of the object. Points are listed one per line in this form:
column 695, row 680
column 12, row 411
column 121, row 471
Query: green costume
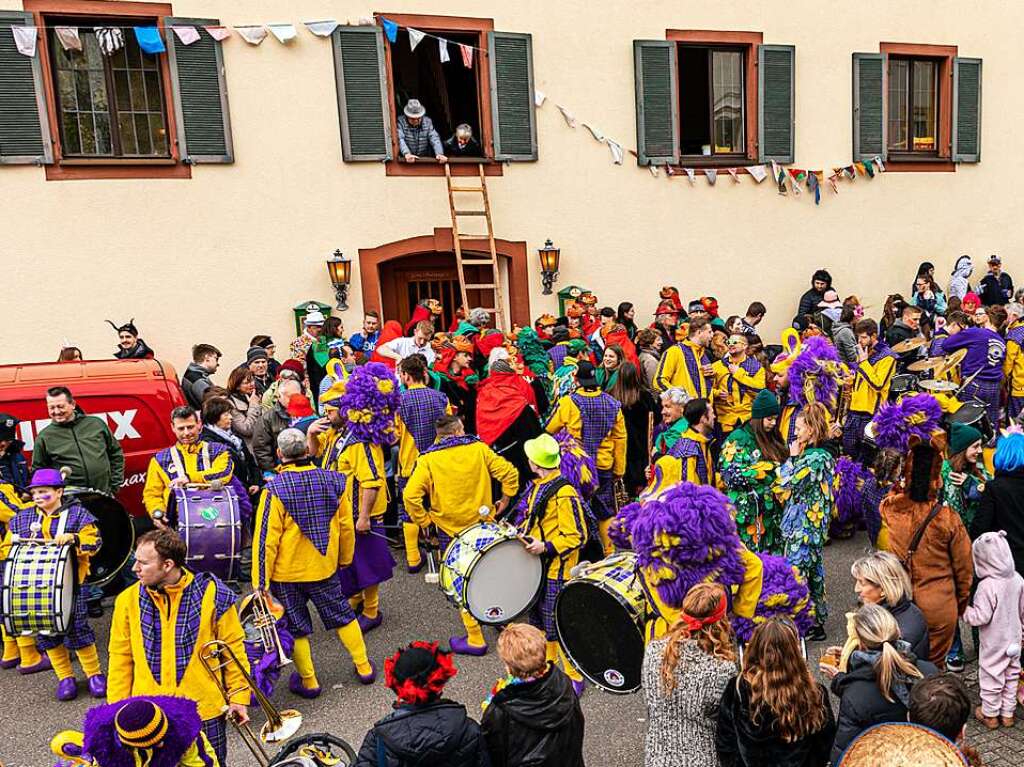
column 749, row 480
column 964, row 499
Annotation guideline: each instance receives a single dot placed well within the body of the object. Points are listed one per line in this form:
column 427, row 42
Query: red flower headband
column 426, row 685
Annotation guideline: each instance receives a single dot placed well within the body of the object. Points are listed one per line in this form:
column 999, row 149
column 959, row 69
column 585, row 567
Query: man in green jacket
column 81, row 442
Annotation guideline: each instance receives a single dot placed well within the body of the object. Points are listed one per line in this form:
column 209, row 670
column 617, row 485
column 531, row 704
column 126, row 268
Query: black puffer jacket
column 535, row 724
column 1002, row 508
column 913, row 626
column 438, row 734
column 741, row 743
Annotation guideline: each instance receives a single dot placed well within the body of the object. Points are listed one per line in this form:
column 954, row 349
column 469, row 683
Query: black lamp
column 340, row 269
column 549, row 256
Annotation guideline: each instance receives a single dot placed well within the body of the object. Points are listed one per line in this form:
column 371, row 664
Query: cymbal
column 950, row 362
column 923, row 366
column 936, row 386
column 910, row 344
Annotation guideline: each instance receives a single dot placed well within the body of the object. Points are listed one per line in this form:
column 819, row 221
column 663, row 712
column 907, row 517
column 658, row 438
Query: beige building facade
column 215, row 237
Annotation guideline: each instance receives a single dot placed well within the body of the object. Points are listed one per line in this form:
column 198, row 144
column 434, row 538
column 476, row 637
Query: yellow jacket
column 363, row 467
column 214, row 617
column 88, row 543
column 676, row 467
column 744, row 597
column 741, row 387
column 282, row 552
column 458, row 480
column 199, row 754
column 560, row 525
column 203, row 462
column 871, row 384
column 10, row 504
column 1013, row 365
column 612, row 452
column 673, row 372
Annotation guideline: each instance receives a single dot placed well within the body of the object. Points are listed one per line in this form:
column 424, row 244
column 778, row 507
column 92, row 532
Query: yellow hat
column 332, row 397
column 543, row 451
column 336, row 369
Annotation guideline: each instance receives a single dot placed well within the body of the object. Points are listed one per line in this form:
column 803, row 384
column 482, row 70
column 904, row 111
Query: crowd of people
column 723, row 462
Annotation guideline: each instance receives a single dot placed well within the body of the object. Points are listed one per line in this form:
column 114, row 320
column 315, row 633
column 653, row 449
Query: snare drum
column 37, row 594
column 116, row 532
column 210, row 524
column 487, row 571
column 902, row 384
column 600, row 617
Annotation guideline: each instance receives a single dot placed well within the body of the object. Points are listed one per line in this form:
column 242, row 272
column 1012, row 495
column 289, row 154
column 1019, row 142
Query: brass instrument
column 216, row 655
column 256, row 612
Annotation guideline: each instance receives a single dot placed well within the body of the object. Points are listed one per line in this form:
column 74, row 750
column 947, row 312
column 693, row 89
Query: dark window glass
column 712, row 101
column 913, row 105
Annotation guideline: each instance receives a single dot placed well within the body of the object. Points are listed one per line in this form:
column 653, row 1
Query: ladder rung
column 477, row 262
column 467, row 188
column 481, row 286
column 471, row 213
column 473, row 236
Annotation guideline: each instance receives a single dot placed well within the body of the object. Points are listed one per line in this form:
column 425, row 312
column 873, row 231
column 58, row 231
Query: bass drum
column 600, row 616
column 116, row 532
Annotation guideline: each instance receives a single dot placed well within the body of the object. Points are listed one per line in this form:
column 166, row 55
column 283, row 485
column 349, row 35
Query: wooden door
column 405, row 282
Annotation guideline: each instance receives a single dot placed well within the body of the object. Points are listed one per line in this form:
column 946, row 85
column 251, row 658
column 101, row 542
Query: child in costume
column 23, row 654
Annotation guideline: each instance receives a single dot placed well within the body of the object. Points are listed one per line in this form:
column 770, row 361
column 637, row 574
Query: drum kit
column 929, row 374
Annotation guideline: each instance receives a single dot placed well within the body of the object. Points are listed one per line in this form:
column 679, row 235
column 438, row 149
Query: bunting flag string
column 254, row 35
column 149, row 40
column 187, row 35
column 415, row 38
column 322, row 28
column 595, row 132
column 391, row 32
column 218, row 33
column 283, row 32
column 25, row 38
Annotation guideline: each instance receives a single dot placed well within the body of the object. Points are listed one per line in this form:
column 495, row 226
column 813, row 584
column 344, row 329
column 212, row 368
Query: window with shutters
column 913, row 96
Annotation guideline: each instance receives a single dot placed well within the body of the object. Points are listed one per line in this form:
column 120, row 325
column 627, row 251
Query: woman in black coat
column 1002, row 502
column 638, row 407
column 882, row 580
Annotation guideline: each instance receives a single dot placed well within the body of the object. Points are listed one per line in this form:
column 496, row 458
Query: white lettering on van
column 122, row 421
column 123, row 428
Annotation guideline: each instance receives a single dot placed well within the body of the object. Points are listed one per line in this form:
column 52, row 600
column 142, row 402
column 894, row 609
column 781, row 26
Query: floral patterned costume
column 965, row 498
column 749, row 481
column 808, row 482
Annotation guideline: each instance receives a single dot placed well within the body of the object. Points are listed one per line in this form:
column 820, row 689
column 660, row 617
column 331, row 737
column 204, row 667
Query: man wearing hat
column 591, row 320
column 13, row 467
column 666, row 319
column 54, row 522
column 553, row 527
column 996, row 287
column 876, row 365
column 313, row 324
column 129, row 345
column 258, row 362
column 416, row 134
column 457, row 473
column 594, row 418
column 685, row 365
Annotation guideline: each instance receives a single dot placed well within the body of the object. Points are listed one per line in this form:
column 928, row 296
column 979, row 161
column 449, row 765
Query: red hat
column 417, row 673
column 299, row 406
column 294, row 366
column 710, row 304
column 666, row 307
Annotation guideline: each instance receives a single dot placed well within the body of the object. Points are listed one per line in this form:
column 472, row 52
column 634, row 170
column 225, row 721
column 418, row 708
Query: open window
column 711, row 117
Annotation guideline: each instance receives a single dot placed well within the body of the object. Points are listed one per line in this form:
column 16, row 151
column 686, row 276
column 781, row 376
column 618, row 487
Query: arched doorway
column 395, row 276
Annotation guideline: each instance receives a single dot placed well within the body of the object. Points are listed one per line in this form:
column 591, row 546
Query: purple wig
column 621, row 528
column 685, row 537
column 102, row 744
column 814, row 374
column 897, row 422
column 783, row 593
column 371, row 400
column 849, row 498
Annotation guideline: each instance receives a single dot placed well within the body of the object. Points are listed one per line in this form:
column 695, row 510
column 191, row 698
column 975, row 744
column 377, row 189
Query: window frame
column 908, row 116
column 64, row 168
column 440, row 25
column 942, row 159
column 748, row 43
column 711, row 50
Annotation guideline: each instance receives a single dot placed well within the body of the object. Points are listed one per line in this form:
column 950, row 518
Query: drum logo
column 209, row 513
column 614, row 678
column 495, row 613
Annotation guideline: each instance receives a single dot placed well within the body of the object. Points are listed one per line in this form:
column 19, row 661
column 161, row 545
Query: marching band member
column 876, row 365
column 457, row 473
column 325, row 437
column 983, row 365
column 58, row 523
column 595, row 419
column 686, row 364
column 553, row 527
column 158, row 631
column 190, row 460
column 418, row 412
column 26, row 657
column 1013, row 370
column 738, row 378
column 689, row 459
column 303, row 535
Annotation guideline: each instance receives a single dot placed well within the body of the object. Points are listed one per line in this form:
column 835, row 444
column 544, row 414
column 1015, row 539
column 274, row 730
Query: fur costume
column 783, row 593
column 849, row 509
column 102, row 744
column 815, row 373
column 371, row 400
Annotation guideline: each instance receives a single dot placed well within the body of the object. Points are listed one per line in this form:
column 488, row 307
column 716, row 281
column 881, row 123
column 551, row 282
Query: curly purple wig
column 814, row 374
column 782, row 594
column 897, row 422
column 370, row 401
column 684, row 537
column 849, row 498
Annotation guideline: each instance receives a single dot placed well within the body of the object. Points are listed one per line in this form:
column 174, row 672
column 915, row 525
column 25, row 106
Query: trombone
column 257, row 614
column 216, row 655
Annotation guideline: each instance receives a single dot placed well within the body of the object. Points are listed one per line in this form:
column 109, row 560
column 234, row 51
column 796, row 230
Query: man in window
column 996, row 286
column 416, row 134
column 462, row 144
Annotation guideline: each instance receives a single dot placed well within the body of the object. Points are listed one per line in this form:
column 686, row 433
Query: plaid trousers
column 216, row 732
column 542, row 614
column 327, row 597
column 1014, row 407
column 79, row 634
column 853, row 433
column 988, row 392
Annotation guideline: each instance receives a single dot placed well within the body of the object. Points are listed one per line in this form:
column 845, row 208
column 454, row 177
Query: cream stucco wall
column 226, row 254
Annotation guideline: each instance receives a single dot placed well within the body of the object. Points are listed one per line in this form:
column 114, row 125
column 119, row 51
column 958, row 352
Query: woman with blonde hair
column 774, row 713
column 684, row 676
column 880, row 673
column 881, row 580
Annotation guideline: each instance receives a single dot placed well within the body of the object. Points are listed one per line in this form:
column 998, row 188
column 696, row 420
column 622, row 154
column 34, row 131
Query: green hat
column 543, row 451
column 765, row 404
column 961, row 437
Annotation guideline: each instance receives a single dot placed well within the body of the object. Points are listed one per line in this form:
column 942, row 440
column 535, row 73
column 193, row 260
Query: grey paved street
column 30, row 716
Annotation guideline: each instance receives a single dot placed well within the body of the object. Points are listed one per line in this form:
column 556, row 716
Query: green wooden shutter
column 966, row 110
column 512, row 111
column 776, row 120
column 24, row 124
column 656, row 78
column 869, row 84
column 362, row 93
column 200, row 94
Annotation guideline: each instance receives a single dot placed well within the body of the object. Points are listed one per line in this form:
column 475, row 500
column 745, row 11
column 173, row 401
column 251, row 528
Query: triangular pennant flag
column 780, row 178
column 878, row 163
column 757, row 172
column 798, row 174
column 415, row 38
column 283, row 32
column 69, row 39
column 442, row 49
column 795, row 183
column 691, row 176
column 653, row 169
column 218, row 33
column 595, row 132
column 735, row 175
column 711, row 175
column 149, row 39
column 860, row 168
column 569, row 119
column 669, row 170
column 616, row 149
column 253, row 35
column 815, row 187
column 110, row 39
column 390, row 29
column 775, row 171
column 870, row 168
column 539, row 97
column 833, row 180
column 467, row 55
column 322, row 28
column 186, row 34
column 851, row 172
column 25, row 39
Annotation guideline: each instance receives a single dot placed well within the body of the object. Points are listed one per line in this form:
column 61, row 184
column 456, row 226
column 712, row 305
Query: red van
column 134, row 397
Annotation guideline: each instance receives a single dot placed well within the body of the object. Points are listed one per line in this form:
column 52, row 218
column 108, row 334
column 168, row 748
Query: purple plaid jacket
column 419, row 410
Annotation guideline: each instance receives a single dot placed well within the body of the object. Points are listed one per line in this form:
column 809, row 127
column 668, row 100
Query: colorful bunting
column 870, row 168
column 860, row 168
column 878, row 163
column 284, row 33
column 390, row 29
column 616, row 150
column 186, row 34
column 654, row 170
column 253, row 35
column 757, row 172
column 322, row 28
column 467, row 55
column 711, row 175
column 691, row 176
column 442, row 49
column 415, row 38
column 814, row 186
column 68, row 37
column 669, row 170
column 218, row 33
column 735, row 175
column 834, row 180
column 149, row 40
column 780, row 178
column 25, row 38
column 110, row 39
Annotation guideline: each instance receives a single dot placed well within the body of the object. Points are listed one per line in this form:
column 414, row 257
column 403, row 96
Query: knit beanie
column 961, row 437
column 140, row 724
column 766, row 404
column 256, row 353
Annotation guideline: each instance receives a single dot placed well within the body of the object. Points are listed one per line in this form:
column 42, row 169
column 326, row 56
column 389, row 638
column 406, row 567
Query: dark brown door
column 406, row 281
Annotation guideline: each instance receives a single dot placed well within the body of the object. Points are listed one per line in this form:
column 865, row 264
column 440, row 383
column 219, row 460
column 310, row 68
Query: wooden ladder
column 476, row 259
